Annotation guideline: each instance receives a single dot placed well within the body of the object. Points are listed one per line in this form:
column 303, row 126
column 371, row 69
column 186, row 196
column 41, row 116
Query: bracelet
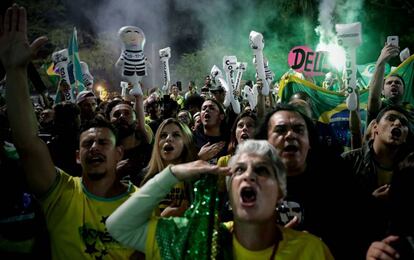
column 171, row 171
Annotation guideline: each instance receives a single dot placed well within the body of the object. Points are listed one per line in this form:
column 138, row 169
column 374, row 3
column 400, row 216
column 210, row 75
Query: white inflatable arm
column 257, row 44
column 240, row 68
column 61, row 61
column 86, row 75
column 165, row 55
column 349, row 37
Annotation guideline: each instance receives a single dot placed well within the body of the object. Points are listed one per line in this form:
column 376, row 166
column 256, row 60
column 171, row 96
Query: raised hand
column 389, row 51
column 15, row 50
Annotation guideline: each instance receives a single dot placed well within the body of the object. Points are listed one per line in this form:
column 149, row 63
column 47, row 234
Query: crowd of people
column 182, row 176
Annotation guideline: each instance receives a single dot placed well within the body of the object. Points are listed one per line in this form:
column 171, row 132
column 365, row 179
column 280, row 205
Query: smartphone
column 393, row 40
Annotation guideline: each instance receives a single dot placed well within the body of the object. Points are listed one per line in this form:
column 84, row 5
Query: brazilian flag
column 329, row 107
column 74, row 66
column 52, row 74
column 406, row 71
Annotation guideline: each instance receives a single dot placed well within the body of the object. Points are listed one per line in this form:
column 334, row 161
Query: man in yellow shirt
column 75, row 208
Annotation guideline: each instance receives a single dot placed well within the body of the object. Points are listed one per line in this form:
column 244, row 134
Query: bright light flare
column 336, row 56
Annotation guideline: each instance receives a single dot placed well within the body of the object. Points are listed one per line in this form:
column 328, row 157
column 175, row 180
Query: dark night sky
column 186, row 25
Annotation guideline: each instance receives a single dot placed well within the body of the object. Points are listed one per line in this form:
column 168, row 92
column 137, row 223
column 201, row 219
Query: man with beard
column 75, row 208
column 135, row 137
column 392, row 87
column 373, row 166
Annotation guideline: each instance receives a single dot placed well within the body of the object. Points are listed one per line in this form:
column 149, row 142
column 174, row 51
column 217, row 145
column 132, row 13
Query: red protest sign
column 311, row 63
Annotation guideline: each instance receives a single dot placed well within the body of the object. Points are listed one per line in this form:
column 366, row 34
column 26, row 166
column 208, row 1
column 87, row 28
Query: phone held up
column 392, row 40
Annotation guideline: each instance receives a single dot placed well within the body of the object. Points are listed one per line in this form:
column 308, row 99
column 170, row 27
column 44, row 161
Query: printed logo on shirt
column 289, row 209
column 97, row 242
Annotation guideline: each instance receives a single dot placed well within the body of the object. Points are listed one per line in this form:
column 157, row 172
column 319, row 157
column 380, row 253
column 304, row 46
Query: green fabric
column 365, row 73
column 194, row 236
column 406, row 71
column 329, row 107
column 325, row 103
column 10, row 151
column 77, row 84
column 52, row 75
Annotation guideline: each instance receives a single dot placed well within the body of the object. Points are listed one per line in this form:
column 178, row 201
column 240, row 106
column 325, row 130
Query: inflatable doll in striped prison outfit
column 132, row 63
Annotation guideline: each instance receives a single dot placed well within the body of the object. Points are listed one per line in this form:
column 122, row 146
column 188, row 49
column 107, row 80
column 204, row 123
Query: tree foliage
column 284, row 24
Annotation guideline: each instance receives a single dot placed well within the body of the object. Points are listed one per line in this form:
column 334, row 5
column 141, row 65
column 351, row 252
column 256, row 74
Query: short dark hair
column 219, row 105
column 66, row 114
column 99, row 121
column 400, row 109
column 113, row 104
column 193, row 100
column 262, row 130
column 394, row 108
column 397, row 76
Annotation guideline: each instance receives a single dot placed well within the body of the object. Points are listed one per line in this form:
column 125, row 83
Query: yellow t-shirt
column 222, row 162
column 149, row 133
column 176, row 198
column 295, row 245
column 76, row 221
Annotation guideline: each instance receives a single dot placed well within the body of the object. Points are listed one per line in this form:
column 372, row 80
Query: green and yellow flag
column 329, row 107
column 52, row 74
column 74, row 67
column 406, row 71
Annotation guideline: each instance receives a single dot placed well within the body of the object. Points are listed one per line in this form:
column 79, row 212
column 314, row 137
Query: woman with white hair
column 256, row 183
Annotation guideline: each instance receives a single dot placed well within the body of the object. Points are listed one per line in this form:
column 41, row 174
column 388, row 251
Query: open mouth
column 95, row 159
column 168, row 148
column 248, row 195
column 291, row 148
column 394, row 91
column 244, row 136
column 396, row 132
column 207, row 116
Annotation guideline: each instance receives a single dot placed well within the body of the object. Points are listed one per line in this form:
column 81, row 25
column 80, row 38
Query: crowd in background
column 94, row 179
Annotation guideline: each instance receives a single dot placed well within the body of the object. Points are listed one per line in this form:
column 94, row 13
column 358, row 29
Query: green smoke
column 227, row 25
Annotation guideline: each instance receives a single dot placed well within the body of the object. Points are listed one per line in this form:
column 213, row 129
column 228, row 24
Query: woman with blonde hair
column 173, row 144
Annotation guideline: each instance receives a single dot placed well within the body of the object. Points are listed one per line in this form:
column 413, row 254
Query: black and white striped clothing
column 134, row 62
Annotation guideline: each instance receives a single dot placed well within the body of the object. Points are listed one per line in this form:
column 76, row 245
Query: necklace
column 279, row 237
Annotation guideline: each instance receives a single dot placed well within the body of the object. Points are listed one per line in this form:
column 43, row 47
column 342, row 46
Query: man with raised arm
column 392, row 87
column 75, row 208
